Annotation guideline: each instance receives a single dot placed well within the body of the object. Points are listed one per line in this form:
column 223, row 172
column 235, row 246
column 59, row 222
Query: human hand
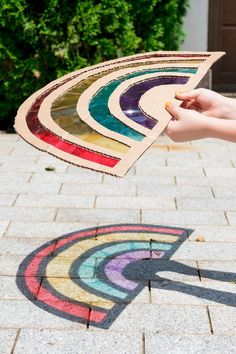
column 186, row 124
column 209, row 103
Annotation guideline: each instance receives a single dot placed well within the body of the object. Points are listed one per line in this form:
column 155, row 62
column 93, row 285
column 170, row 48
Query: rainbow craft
column 104, row 117
column 82, row 276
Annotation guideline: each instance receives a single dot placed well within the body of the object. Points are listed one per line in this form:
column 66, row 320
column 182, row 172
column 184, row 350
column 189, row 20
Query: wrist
column 208, row 128
column 221, row 129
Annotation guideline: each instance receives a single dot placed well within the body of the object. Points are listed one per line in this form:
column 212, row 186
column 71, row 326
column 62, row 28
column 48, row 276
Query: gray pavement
column 190, row 309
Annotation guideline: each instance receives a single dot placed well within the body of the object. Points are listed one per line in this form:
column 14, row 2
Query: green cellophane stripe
column 98, row 106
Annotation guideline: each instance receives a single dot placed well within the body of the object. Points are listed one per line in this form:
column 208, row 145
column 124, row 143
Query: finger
column 173, row 110
column 190, row 95
column 189, row 105
column 172, row 131
column 186, row 104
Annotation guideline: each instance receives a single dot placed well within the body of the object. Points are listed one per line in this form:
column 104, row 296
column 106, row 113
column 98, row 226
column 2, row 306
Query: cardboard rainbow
column 104, row 117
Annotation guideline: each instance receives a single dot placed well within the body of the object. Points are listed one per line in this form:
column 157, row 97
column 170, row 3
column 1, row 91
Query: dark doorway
column 222, row 37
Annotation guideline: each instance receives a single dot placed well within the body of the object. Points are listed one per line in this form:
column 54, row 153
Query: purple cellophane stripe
column 129, row 100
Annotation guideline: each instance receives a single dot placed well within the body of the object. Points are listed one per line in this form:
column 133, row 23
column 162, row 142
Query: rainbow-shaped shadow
column 97, row 117
column 82, row 276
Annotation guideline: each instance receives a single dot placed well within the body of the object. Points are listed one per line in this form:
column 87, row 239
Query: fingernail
column 168, row 104
column 179, row 92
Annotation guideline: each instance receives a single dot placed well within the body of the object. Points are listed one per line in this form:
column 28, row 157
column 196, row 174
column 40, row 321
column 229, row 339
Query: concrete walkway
column 190, row 186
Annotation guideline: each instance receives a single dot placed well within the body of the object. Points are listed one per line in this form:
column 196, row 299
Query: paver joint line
column 15, row 341
column 209, row 318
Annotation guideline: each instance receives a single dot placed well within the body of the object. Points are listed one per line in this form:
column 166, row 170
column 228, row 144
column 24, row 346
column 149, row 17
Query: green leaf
column 43, row 40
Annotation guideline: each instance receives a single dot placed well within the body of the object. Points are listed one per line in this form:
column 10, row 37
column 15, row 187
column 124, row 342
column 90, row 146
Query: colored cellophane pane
column 65, row 115
column 129, row 100
column 99, row 110
column 50, row 138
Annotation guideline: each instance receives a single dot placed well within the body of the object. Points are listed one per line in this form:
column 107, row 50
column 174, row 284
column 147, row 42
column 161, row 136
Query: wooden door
column 222, row 36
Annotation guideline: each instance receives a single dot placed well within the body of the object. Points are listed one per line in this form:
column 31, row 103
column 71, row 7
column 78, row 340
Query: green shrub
column 42, row 40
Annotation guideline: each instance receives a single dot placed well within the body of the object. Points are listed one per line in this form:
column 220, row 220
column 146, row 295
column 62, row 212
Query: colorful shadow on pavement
column 81, row 276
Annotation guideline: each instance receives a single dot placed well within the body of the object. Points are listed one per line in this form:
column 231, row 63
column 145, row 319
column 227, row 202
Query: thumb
column 175, row 111
column 190, row 95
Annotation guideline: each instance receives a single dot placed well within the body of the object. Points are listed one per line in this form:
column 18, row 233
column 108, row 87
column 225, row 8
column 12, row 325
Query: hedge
column 42, row 40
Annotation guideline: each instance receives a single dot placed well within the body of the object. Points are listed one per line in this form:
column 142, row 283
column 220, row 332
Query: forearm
column 221, row 129
column 229, row 109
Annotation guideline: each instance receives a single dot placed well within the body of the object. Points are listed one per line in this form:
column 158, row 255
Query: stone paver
column 224, row 192
column 64, row 178
column 99, row 215
column 171, row 171
column 231, row 215
column 184, row 217
column 23, row 150
column 8, row 199
column 205, row 181
column 43, row 229
column 182, row 305
column 140, row 180
column 150, row 160
column 206, row 204
column 166, row 319
column 29, row 188
column 23, row 313
column 9, row 282
column 6, row 149
column 206, row 251
column 217, row 171
column 223, row 320
column 7, row 339
column 193, row 293
column 214, row 233
column 9, row 159
column 9, row 264
column 14, row 177
column 74, row 342
column 27, row 213
column 57, row 201
column 97, row 189
column 220, row 270
column 211, row 153
column 20, row 246
column 199, row 162
column 83, row 173
column 28, row 167
column 174, row 191
column 135, row 203
column 172, row 344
